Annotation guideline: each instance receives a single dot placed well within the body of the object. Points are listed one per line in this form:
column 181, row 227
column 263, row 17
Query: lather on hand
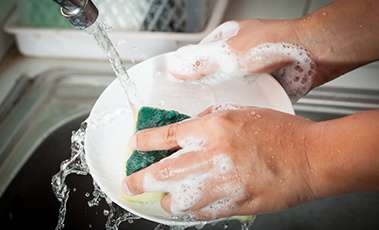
column 232, row 163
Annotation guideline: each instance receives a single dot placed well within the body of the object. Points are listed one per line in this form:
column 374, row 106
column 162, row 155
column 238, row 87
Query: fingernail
column 126, row 188
column 133, row 142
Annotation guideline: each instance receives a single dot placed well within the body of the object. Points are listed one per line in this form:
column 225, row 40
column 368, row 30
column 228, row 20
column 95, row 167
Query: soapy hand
column 231, row 161
column 247, row 47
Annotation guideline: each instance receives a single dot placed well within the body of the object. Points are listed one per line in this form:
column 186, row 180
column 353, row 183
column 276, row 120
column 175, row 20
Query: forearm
column 341, row 37
column 344, row 154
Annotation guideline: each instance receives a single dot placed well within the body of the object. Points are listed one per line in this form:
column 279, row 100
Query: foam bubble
column 212, row 63
column 189, row 190
column 297, row 77
column 224, row 32
column 191, row 143
column 209, row 63
column 225, row 107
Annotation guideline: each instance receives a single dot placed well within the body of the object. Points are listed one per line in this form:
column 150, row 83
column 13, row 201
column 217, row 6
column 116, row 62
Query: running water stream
column 99, row 31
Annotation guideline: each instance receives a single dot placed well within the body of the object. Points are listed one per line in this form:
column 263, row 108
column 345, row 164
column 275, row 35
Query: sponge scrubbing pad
column 150, row 118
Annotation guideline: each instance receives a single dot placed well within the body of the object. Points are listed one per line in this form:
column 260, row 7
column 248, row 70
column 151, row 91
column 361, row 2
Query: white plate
column 111, row 123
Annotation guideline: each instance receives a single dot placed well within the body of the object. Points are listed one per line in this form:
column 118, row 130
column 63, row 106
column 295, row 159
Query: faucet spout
column 80, row 13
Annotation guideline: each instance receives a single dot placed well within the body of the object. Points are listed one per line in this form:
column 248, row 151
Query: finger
column 165, row 137
column 159, row 176
column 221, row 108
column 177, row 206
column 214, row 211
column 143, row 181
column 210, row 194
column 192, row 62
column 176, row 168
column 207, row 111
column 166, row 203
column 197, row 192
column 224, row 31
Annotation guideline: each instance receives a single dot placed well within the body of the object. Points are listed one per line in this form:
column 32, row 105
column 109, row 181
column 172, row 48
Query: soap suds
column 223, row 32
column 209, row 63
column 225, row 107
column 188, row 191
column 296, row 78
column 212, row 61
column 191, row 143
column 216, row 207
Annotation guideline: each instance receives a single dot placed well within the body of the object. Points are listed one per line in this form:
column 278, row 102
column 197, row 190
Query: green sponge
column 150, row 118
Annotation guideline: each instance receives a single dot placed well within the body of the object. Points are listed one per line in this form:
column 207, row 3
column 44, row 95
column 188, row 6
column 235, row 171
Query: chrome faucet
column 80, row 13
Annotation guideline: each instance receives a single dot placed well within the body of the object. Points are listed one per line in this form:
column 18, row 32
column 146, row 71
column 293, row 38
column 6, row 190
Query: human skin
column 278, row 160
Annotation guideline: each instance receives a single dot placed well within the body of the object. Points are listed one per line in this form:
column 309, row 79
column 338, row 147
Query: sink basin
column 35, row 137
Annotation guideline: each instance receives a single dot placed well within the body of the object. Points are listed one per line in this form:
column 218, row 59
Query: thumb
column 195, row 62
column 223, row 32
column 212, row 54
column 192, row 62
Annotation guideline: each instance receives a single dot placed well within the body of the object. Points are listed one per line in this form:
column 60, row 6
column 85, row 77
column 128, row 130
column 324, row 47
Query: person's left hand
column 242, row 161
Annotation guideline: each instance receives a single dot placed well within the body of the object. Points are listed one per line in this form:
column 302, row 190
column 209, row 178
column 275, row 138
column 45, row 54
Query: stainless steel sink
column 35, row 129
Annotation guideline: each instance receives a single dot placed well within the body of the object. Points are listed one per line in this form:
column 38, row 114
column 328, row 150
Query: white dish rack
column 132, row 45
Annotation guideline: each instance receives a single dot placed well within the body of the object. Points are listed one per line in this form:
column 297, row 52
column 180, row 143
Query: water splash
column 246, row 225
column 76, row 164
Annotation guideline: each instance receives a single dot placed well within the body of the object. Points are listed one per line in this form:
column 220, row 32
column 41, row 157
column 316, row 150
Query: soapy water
column 296, row 78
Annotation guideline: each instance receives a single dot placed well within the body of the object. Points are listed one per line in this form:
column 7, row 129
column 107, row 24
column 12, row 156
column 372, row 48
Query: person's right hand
column 248, row 47
column 232, row 161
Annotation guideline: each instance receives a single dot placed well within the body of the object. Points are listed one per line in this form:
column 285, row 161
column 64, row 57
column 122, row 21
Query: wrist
column 341, row 37
column 333, row 168
column 320, row 162
column 311, row 35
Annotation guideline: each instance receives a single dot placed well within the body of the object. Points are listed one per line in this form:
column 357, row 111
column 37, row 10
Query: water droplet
column 77, row 165
column 106, row 212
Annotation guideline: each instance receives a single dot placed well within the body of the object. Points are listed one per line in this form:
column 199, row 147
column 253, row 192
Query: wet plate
column 111, row 122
